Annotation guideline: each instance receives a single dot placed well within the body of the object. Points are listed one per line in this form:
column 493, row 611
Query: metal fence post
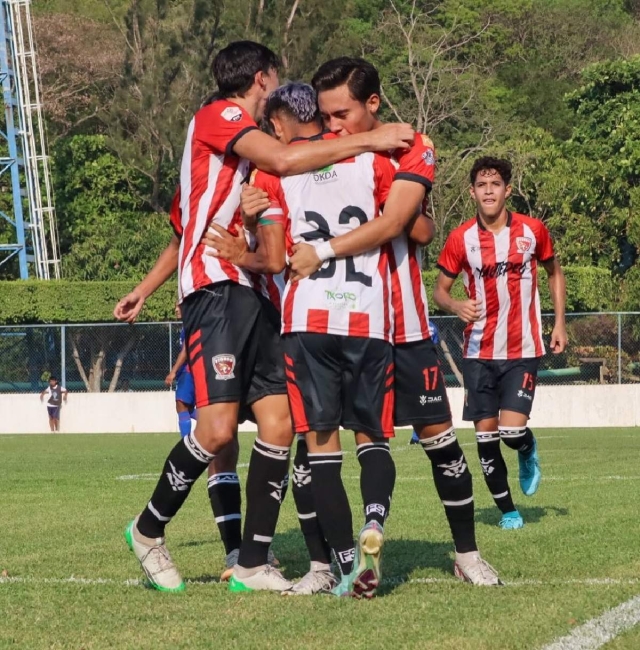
column 63, row 355
column 619, row 348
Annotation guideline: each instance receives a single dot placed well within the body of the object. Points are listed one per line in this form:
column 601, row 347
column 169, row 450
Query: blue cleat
column 511, row 521
column 344, row 589
column 530, row 473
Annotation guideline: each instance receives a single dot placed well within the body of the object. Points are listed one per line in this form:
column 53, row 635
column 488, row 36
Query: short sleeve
column 276, row 213
column 544, row 244
column 417, row 164
column 218, row 126
column 451, row 258
column 384, row 173
column 175, row 214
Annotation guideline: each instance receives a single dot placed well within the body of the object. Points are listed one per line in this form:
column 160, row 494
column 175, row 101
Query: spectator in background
column 56, row 393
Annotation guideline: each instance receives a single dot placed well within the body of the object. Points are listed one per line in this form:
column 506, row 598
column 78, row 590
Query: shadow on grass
column 531, row 514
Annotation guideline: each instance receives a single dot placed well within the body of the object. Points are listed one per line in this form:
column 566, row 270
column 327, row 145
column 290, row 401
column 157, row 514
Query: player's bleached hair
column 297, row 100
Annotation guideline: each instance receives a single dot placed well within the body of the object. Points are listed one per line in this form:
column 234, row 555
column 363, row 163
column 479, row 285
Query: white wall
column 557, row 406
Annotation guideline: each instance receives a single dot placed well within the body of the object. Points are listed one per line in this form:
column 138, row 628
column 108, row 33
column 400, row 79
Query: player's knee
column 276, row 430
column 226, row 459
column 215, row 433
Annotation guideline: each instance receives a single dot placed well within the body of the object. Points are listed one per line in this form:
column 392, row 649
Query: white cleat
column 232, row 559
column 264, row 578
column 316, row 581
column 155, row 560
column 470, row 567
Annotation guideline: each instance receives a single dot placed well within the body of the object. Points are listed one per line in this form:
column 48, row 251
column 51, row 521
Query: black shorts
column 53, row 411
column 421, row 395
column 337, row 381
column 493, row 386
column 233, row 345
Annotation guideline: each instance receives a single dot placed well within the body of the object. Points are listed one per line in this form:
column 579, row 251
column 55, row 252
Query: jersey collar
column 482, row 226
column 313, row 138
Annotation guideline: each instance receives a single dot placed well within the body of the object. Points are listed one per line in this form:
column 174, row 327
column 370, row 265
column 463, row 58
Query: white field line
column 598, row 631
column 135, row 582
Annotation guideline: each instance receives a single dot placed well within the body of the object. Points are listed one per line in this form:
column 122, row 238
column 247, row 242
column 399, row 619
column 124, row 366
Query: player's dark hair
column 235, row 67
column 486, row 163
column 361, row 77
column 53, row 377
column 297, row 100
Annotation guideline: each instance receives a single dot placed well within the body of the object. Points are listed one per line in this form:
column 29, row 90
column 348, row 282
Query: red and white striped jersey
column 349, row 296
column 408, row 295
column 210, row 184
column 500, row 270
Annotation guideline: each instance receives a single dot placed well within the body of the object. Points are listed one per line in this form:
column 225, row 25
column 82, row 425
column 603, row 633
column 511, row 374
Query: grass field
column 70, row 582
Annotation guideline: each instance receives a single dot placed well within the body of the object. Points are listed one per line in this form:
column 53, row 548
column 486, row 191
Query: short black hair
column 297, row 100
column 53, row 377
column 361, row 77
column 235, row 67
column 502, row 166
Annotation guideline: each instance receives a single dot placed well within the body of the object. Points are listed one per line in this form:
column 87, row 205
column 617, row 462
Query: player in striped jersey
column 232, row 331
column 498, row 253
column 336, row 329
column 349, row 98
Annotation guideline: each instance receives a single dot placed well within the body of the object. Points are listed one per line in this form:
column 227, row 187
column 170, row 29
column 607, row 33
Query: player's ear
column 507, row 192
column 472, row 192
column 373, row 103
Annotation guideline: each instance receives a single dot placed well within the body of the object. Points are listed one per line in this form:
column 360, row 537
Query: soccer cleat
column 470, row 567
column 530, row 473
column 314, row 582
column 345, row 588
column 367, row 563
column 265, row 578
column 155, row 560
column 511, row 521
column 232, row 559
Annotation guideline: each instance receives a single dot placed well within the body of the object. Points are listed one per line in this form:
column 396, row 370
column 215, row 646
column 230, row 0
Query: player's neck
column 494, row 224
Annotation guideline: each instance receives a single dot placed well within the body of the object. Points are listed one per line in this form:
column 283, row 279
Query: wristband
column 324, row 251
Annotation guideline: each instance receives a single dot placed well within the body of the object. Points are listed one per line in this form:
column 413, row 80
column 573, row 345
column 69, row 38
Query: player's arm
column 42, row 394
column 558, row 290
column 180, row 361
column 65, row 394
column 272, row 156
column 466, row 310
column 269, row 256
column 129, row 307
column 421, row 230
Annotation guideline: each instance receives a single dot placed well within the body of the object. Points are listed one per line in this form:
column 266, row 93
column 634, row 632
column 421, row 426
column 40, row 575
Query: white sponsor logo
column 455, row 468
column 378, row 508
column 224, row 364
column 279, row 487
column 347, row 556
column 524, row 395
column 301, row 475
column 486, row 466
column 177, row 479
column 432, row 399
column 232, row 114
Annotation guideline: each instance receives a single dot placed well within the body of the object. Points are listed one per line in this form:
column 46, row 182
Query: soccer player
column 57, row 394
column 349, row 99
column 498, row 253
column 337, row 330
column 185, row 390
column 233, row 342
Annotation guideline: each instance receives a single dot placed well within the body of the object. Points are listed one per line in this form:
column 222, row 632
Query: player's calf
column 495, row 470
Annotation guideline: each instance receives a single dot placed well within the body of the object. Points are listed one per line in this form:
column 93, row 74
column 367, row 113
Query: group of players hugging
column 298, row 251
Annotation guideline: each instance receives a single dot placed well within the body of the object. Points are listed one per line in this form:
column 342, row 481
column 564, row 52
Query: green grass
column 64, row 510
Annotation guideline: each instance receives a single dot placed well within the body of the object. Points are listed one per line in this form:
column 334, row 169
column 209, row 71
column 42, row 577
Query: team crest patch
column 428, row 157
column 224, row 364
column 232, row 114
column 523, row 244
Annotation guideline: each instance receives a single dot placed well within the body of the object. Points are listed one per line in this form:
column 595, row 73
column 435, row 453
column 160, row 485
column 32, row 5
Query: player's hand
column 468, row 311
column 559, row 339
column 129, row 307
column 304, row 262
column 224, row 245
column 168, row 380
column 253, row 202
column 392, row 136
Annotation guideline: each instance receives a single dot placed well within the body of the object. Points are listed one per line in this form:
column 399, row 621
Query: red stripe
column 383, row 270
column 318, row 321
column 287, row 316
column 417, row 286
column 198, row 370
column 400, row 332
column 471, row 292
column 358, row 324
column 195, row 350
column 488, row 255
column 274, row 292
column 514, row 322
column 387, row 408
column 533, row 312
column 300, row 423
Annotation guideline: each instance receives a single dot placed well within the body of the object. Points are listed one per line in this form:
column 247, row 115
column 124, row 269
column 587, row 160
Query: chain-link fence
column 603, row 348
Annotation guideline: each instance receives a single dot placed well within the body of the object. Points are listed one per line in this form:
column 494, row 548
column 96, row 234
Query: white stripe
column 499, row 496
column 270, row 446
column 219, row 520
column 262, row 538
column 324, row 462
column 599, row 631
column 330, row 453
column 310, row 515
column 156, row 514
column 198, row 448
column 268, row 455
column 500, row 339
column 464, row 502
column 377, row 447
